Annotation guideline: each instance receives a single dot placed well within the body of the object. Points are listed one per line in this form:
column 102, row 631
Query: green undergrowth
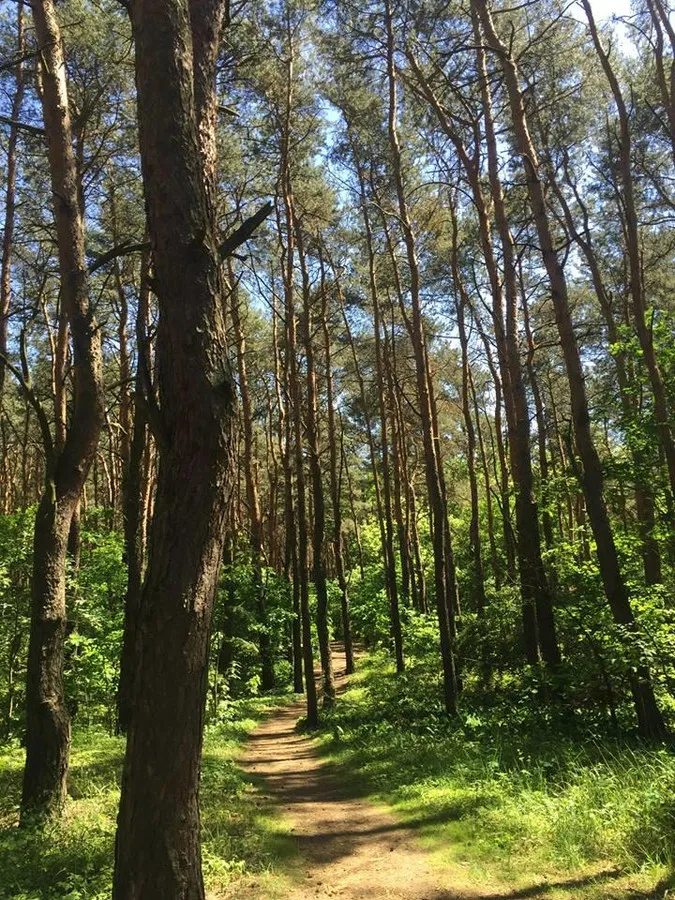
column 72, row 859
column 507, row 800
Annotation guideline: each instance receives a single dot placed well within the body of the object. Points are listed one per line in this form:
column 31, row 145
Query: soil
column 351, row 848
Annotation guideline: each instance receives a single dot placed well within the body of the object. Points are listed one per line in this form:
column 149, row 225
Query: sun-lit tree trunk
column 67, row 461
column 443, row 565
column 649, row 716
column 294, row 390
column 494, row 559
column 10, row 196
column 334, row 447
column 285, row 441
column 252, row 493
column 538, row 621
column 636, row 283
column 534, row 584
column 384, row 499
column 318, row 496
column 475, row 552
column 660, row 16
column 644, row 495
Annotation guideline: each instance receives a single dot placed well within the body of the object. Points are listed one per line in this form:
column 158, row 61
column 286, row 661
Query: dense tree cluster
column 370, row 303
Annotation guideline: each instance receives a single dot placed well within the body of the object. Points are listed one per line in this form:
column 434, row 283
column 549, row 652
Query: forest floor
column 347, row 845
column 386, row 801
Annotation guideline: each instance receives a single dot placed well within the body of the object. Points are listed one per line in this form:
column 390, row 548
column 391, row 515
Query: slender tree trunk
column 285, row 438
column 47, row 722
column 335, row 485
column 494, row 560
column 10, row 198
column 384, row 499
column 649, row 716
column 318, row 499
column 636, row 283
column 132, row 508
column 443, row 566
column 252, row 495
column 475, row 554
column 295, row 393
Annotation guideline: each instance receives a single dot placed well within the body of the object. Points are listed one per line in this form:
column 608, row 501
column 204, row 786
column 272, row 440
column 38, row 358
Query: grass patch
column 72, row 859
column 508, row 801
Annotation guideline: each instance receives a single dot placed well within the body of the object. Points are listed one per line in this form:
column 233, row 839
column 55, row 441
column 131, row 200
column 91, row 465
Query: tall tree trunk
column 132, row 506
column 252, row 495
column 285, row 438
column 10, row 198
column 67, row 464
column 538, row 622
column 384, row 500
column 649, row 716
column 295, row 394
column 335, row 483
column 475, row 554
column 158, row 853
column 636, row 282
column 443, row 565
column 318, row 498
column 494, row 561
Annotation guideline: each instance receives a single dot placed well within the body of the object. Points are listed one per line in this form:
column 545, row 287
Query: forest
column 337, row 449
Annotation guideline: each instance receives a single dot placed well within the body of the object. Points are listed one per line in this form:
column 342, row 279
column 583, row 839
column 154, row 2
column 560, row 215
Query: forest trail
column 349, row 847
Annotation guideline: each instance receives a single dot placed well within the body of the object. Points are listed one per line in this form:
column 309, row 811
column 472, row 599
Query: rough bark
column 158, row 837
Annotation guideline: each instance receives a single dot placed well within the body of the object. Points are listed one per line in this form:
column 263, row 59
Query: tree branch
column 245, row 231
column 31, row 396
column 23, row 126
column 123, row 249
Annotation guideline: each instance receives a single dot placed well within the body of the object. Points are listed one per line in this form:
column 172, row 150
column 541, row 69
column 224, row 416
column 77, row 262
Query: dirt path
column 351, row 848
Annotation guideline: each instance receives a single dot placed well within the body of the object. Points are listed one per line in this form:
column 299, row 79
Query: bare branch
column 245, row 231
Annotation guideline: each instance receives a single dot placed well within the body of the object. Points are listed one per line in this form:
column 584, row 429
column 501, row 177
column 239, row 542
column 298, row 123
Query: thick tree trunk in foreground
column 67, row 464
column 158, row 837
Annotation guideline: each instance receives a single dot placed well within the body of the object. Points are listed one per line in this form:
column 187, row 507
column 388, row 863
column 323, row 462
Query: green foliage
column 235, row 648
column 72, row 859
column 16, row 542
column 96, row 617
